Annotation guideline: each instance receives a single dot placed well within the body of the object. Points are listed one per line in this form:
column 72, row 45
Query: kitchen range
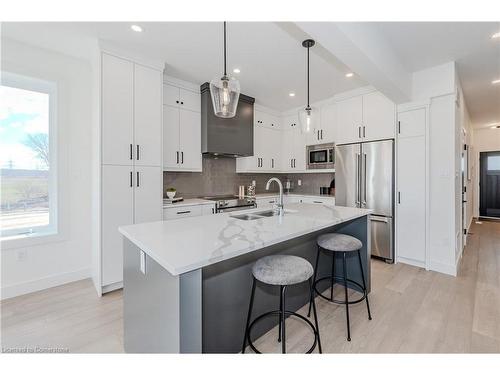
column 229, row 203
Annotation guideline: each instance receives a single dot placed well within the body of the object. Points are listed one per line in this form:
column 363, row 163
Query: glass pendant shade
column 225, row 93
column 308, row 119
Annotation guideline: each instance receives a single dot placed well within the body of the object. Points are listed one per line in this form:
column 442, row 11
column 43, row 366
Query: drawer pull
column 317, row 202
column 183, row 212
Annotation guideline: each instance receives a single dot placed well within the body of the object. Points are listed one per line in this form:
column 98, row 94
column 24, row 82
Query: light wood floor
column 413, row 311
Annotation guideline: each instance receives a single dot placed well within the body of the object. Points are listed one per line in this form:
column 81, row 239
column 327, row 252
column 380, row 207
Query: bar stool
column 282, row 271
column 343, row 244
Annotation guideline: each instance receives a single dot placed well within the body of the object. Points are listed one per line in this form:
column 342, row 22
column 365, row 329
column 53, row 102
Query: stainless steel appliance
column 321, row 156
column 364, row 177
column 229, row 203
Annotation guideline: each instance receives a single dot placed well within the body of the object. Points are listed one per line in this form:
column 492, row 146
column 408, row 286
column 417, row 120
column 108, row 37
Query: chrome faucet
column 280, row 206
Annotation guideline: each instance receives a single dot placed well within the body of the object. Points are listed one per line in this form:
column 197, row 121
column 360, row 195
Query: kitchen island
column 187, row 282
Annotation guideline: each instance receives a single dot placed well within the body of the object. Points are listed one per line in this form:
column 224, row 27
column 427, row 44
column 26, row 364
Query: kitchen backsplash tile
column 219, row 177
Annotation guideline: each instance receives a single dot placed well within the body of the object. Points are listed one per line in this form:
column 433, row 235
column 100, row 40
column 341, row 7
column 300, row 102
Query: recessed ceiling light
column 496, row 36
column 495, row 81
column 236, row 70
column 349, row 75
column 136, row 28
column 292, row 94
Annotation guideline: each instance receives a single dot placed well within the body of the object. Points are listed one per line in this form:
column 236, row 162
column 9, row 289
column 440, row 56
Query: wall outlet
column 299, row 182
column 21, row 255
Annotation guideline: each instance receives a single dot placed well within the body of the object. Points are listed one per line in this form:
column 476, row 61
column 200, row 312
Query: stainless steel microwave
column 321, row 156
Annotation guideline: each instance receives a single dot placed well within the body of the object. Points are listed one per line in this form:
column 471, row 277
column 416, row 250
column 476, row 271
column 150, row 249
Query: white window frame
column 51, row 232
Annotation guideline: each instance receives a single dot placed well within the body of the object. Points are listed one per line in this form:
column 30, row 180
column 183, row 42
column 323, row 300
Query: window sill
column 28, row 240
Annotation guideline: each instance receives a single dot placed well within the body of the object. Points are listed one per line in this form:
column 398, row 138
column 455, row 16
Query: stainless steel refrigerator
column 364, row 177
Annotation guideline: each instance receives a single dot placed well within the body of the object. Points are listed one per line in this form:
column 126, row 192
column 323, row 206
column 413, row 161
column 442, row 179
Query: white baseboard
column 411, row 262
column 449, row 269
column 112, row 287
column 15, row 290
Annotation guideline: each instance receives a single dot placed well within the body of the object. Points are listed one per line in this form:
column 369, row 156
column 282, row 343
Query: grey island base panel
column 205, row 310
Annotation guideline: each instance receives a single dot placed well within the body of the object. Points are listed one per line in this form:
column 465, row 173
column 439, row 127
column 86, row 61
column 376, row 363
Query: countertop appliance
column 364, row 177
column 229, row 203
column 321, row 156
column 226, row 137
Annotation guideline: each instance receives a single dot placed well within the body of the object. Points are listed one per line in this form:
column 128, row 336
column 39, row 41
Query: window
column 494, row 163
column 28, row 194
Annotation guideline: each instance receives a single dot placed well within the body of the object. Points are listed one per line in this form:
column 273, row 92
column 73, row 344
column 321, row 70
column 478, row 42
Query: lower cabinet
column 130, row 195
column 172, row 213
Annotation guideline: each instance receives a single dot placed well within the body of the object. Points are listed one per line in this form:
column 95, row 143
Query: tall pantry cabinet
column 131, row 156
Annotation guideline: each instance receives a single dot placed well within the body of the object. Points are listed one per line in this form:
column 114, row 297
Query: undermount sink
column 246, row 217
column 257, row 215
column 267, row 213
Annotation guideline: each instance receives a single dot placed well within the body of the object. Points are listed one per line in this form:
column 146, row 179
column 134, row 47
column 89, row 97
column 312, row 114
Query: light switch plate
column 142, row 266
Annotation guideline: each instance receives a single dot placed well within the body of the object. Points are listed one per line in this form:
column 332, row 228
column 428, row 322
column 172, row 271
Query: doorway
column 489, row 184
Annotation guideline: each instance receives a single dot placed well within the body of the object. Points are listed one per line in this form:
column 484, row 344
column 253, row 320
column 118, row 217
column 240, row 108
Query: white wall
column 483, row 140
column 50, row 264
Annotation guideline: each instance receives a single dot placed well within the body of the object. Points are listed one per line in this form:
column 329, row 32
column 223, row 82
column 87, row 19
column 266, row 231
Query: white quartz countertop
column 191, row 243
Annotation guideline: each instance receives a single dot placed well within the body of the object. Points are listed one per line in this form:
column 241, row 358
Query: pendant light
column 307, row 116
column 225, row 91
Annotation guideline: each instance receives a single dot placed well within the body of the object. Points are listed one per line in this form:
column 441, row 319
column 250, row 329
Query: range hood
column 226, row 137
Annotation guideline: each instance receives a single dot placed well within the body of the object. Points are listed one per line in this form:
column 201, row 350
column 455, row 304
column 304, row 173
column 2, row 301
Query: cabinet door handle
column 317, row 202
column 177, row 101
column 272, row 163
column 321, row 134
column 399, row 127
column 364, row 135
column 182, row 103
column 399, row 197
column 294, row 163
column 183, row 212
column 359, row 131
column 177, row 157
column 182, row 157
column 131, row 152
column 137, row 179
column 137, row 152
column 131, row 179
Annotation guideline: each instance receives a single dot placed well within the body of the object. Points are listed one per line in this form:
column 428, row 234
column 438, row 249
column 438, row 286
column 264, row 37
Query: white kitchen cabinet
column 117, row 128
column 131, row 149
column 318, row 200
column 172, row 213
column 181, row 98
column 363, row 118
column 181, row 132
column 147, row 116
column 148, row 192
column 326, row 131
column 349, row 120
column 411, row 123
column 117, row 205
column 379, row 115
column 293, row 157
column 411, row 191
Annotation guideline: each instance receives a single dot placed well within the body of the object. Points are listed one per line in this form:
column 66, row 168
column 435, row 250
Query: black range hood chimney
column 226, row 137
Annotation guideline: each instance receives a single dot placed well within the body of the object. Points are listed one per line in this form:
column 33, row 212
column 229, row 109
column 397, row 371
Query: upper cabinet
column 293, row 158
column 181, row 129
column 131, row 113
column 326, row 132
column 365, row 118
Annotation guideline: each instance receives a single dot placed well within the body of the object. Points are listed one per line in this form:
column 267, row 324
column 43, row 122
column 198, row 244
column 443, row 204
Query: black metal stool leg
column 279, row 318
column 248, row 316
column 346, row 298
column 364, row 286
column 283, row 308
column 332, row 280
column 311, row 285
column 313, row 280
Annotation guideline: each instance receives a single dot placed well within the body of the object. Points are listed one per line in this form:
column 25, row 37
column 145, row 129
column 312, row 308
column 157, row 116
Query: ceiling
column 273, row 62
column 420, row 45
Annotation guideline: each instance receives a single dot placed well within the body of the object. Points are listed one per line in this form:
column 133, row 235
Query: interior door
column 148, row 194
column 190, row 139
column 489, row 184
column 147, row 116
column 377, row 181
column 117, row 110
column 347, row 178
column 117, row 210
column 170, row 137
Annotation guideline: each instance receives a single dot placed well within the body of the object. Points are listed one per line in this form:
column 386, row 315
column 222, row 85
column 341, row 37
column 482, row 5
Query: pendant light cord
column 225, row 72
column 307, row 77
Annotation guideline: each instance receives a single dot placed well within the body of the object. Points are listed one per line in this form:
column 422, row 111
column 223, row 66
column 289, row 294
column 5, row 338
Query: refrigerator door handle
column 358, row 169
column 363, row 203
